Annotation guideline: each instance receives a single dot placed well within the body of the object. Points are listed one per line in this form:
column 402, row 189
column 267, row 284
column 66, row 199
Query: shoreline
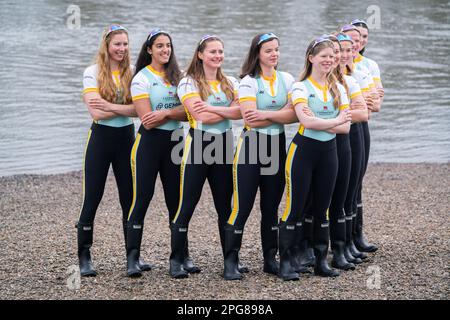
column 406, row 214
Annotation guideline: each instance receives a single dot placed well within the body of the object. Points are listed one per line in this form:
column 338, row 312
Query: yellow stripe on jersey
column 288, row 172
column 84, row 170
column 90, row 90
column 324, row 89
column 189, row 95
column 299, row 100
column 371, row 85
column 354, row 95
column 187, row 149
column 133, row 171
column 141, row 96
column 343, row 107
column 365, row 89
column 235, row 210
column 244, row 99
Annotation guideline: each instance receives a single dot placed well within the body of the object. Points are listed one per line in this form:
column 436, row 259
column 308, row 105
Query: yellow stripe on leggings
column 84, row 171
column 288, row 172
column 234, row 212
column 187, row 149
column 133, row 171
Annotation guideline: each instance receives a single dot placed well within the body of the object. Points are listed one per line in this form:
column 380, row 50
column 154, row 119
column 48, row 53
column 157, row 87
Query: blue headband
column 344, row 37
column 267, row 36
column 154, row 32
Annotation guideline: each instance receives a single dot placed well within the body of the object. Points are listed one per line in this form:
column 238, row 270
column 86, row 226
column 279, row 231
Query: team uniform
column 152, row 153
column 311, row 166
column 208, row 154
column 109, row 143
column 371, row 68
column 259, row 163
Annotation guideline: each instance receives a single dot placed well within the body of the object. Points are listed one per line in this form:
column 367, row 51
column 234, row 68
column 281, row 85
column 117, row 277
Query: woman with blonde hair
column 107, row 96
column 209, row 98
column 312, row 164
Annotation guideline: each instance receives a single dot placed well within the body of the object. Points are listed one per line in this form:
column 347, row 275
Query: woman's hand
column 354, row 105
column 370, row 103
column 380, row 92
column 200, row 106
column 344, row 116
column 252, row 115
column 308, row 111
column 153, row 117
column 101, row 104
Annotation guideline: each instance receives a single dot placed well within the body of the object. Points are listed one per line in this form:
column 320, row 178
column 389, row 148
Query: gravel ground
column 407, row 212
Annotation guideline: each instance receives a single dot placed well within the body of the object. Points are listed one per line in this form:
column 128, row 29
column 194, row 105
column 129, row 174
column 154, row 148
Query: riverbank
column 407, row 212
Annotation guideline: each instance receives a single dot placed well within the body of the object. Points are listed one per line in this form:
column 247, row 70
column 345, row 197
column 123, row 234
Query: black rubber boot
column 85, row 238
column 337, row 240
column 286, row 236
column 300, row 260
column 233, row 242
column 321, row 238
column 353, row 250
column 134, row 239
column 177, row 256
column 241, row 268
column 358, row 237
column 307, row 258
column 339, row 261
column 142, row 264
column 269, row 241
column 348, row 236
column 188, row 264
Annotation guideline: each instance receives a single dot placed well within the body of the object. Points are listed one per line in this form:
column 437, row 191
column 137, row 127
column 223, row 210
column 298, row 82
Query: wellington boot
column 178, row 246
column 85, row 238
column 286, row 236
column 233, row 242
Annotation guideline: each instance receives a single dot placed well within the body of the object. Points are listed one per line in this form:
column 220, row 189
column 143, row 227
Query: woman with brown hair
column 209, row 98
column 261, row 152
column 154, row 94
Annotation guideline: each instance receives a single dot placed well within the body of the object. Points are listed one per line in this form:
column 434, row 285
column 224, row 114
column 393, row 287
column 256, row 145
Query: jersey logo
column 261, row 92
column 312, row 95
column 154, row 84
column 273, row 102
column 325, row 108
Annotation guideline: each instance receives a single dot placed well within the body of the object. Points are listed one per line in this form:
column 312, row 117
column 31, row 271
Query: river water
column 44, row 124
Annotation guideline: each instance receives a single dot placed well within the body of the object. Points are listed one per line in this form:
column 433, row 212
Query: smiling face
column 118, row 47
column 161, row 50
column 323, row 60
column 346, row 53
column 356, row 37
column 269, row 53
column 213, row 54
column 364, row 37
column 337, row 54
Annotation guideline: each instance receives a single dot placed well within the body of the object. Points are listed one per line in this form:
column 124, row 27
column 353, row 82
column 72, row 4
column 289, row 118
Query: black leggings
column 105, row 146
column 337, row 213
column 152, row 154
column 311, row 166
column 206, row 156
column 365, row 136
column 357, row 150
column 257, row 165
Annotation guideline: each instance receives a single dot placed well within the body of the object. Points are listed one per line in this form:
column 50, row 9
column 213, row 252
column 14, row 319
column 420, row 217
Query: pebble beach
column 406, row 207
